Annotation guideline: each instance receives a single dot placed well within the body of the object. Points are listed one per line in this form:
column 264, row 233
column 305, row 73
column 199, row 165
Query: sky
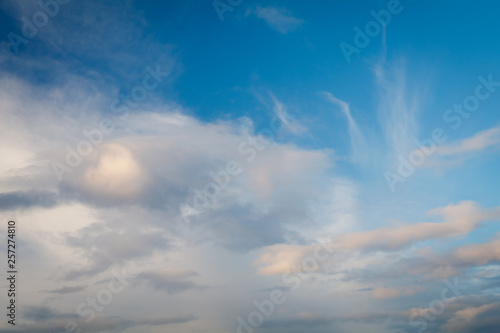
column 250, row 166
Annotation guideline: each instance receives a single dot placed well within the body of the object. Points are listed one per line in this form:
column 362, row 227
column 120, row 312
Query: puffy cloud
column 159, row 160
column 116, row 175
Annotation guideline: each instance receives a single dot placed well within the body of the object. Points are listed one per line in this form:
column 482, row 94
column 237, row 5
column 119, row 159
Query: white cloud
column 279, row 19
column 455, row 153
column 290, row 123
column 478, row 142
column 458, row 220
column 390, row 292
column 117, row 174
column 474, row 318
column 479, row 254
column 398, row 108
column 360, row 151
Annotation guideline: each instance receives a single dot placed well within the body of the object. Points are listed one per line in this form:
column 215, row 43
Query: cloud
column 117, row 174
column 482, row 318
column 160, row 159
column 171, row 281
column 287, row 120
column 45, row 313
column 48, row 320
column 359, row 147
column 279, row 19
column 466, row 314
column 459, row 220
column 398, row 108
column 479, row 254
column 67, row 290
column 473, row 313
column 281, row 258
column 478, row 142
column 384, row 293
column 27, row 199
column 455, row 153
column 390, row 292
column 111, row 243
column 121, row 49
column 302, row 320
column 121, row 207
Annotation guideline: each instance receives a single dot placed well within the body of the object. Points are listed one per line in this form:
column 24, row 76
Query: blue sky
column 207, row 147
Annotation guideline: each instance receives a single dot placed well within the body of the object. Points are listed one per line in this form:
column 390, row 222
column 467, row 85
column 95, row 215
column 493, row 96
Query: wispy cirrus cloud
column 289, row 122
column 360, row 151
column 398, row 107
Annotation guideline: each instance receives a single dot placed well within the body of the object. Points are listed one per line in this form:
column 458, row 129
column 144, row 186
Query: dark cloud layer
column 27, row 199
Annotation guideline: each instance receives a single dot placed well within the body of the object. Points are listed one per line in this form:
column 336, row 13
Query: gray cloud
column 66, row 290
column 305, row 321
column 107, row 244
column 172, row 282
column 44, row 313
column 27, row 199
column 47, row 320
